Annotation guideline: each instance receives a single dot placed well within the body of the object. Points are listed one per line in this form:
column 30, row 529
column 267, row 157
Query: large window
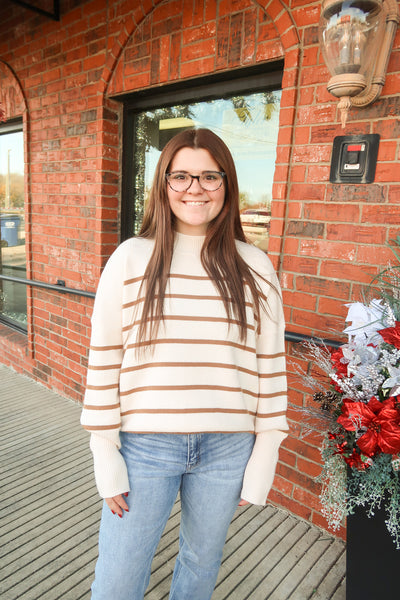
column 12, row 225
column 246, row 118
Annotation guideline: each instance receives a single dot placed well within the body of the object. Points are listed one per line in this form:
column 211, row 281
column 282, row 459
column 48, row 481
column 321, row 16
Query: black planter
column 373, row 563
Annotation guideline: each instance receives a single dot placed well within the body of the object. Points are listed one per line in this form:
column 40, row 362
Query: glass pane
column 12, row 228
column 247, row 124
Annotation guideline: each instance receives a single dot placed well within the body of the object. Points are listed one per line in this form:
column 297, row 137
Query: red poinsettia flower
column 356, row 461
column 340, row 367
column 391, row 335
column 382, row 421
column 349, row 455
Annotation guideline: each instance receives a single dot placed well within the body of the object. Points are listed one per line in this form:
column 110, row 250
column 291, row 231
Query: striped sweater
column 196, row 376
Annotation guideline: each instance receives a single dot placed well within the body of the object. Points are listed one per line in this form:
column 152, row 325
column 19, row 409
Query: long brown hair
column 219, row 256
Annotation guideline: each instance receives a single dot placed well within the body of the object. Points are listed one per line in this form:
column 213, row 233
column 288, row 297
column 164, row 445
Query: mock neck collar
column 189, row 243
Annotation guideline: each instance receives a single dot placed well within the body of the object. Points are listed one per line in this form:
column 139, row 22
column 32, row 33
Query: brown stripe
column 173, row 411
column 198, row 297
column 270, row 375
column 101, row 427
column 101, row 368
column 269, row 356
column 189, row 341
column 100, row 388
column 194, row 297
column 271, row 415
column 190, row 318
column 171, row 275
column 182, row 297
column 133, row 303
column 189, row 364
column 194, row 277
column 99, row 407
column 134, row 280
column 105, row 348
column 274, row 395
column 220, row 388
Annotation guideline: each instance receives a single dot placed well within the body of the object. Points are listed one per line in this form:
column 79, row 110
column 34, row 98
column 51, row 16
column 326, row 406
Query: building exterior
column 90, row 98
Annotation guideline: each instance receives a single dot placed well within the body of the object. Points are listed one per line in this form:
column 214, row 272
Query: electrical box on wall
column 354, row 158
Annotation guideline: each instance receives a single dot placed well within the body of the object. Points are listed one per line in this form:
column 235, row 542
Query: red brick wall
column 326, row 240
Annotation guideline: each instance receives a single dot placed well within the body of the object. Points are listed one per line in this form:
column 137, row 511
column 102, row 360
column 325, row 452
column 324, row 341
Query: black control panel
column 354, row 158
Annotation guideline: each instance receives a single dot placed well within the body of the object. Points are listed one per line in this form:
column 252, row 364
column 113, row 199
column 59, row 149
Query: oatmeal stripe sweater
column 197, row 376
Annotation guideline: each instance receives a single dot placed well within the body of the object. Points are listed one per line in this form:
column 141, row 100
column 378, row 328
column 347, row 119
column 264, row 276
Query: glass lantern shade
column 348, row 39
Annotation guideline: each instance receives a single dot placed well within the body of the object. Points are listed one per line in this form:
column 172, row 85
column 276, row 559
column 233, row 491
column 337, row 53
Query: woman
column 186, row 383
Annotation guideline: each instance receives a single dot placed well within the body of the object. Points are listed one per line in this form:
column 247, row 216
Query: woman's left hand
column 243, row 503
column 117, row 504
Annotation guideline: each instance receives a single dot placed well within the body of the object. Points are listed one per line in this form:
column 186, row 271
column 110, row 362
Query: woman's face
column 195, row 208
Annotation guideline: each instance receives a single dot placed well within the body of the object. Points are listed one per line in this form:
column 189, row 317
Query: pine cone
column 319, row 397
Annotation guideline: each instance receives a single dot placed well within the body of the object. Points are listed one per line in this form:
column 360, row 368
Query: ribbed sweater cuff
column 260, row 471
column 109, row 467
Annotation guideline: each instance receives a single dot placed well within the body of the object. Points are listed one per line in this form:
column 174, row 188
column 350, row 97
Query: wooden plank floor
column 49, row 515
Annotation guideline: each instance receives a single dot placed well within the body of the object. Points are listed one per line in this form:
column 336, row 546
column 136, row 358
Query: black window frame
column 262, row 77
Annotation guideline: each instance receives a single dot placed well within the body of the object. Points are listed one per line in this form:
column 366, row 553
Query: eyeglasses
column 180, row 181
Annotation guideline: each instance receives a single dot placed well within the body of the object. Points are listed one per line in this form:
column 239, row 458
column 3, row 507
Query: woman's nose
column 195, row 187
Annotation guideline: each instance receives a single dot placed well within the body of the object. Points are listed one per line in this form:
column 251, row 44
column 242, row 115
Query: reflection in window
column 12, row 225
column 248, row 124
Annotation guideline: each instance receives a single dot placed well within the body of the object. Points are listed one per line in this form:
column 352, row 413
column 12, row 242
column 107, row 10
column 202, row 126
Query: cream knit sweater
column 198, row 377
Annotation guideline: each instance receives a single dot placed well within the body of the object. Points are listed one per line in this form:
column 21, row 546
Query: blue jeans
column 207, row 469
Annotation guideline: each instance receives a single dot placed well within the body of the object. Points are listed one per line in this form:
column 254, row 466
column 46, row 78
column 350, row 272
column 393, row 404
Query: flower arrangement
column 358, row 393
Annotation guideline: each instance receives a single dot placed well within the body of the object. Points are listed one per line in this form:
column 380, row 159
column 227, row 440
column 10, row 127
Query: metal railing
column 59, row 287
column 292, row 336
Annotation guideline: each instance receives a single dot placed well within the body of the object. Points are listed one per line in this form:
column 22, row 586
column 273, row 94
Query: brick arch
column 11, row 95
column 289, row 37
column 275, row 11
column 131, row 23
column 283, row 22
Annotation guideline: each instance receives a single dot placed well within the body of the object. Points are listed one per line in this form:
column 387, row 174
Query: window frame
column 13, row 126
column 262, row 77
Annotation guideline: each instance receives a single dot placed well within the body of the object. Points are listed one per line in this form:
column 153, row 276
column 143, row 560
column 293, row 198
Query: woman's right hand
column 117, row 504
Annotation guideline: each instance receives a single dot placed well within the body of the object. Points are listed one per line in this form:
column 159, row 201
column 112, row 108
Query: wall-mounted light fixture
column 356, row 38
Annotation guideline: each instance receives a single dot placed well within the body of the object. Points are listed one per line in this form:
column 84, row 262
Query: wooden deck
column 49, row 515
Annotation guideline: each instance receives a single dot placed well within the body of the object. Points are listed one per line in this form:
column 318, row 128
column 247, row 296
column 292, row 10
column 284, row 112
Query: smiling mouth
column 195, row 203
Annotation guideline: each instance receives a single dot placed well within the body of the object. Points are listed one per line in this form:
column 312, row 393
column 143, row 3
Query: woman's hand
column 243, row 503
column 117, row 504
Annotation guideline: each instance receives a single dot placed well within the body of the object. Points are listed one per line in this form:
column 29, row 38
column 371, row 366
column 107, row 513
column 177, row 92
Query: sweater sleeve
column 271, row 423
column 260, row 470
column 101, row 414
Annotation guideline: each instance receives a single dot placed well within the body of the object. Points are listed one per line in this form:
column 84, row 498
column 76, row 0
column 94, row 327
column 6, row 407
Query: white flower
column 360, row 354
column 366, row 321
column 394, row 380
column 358, row 357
